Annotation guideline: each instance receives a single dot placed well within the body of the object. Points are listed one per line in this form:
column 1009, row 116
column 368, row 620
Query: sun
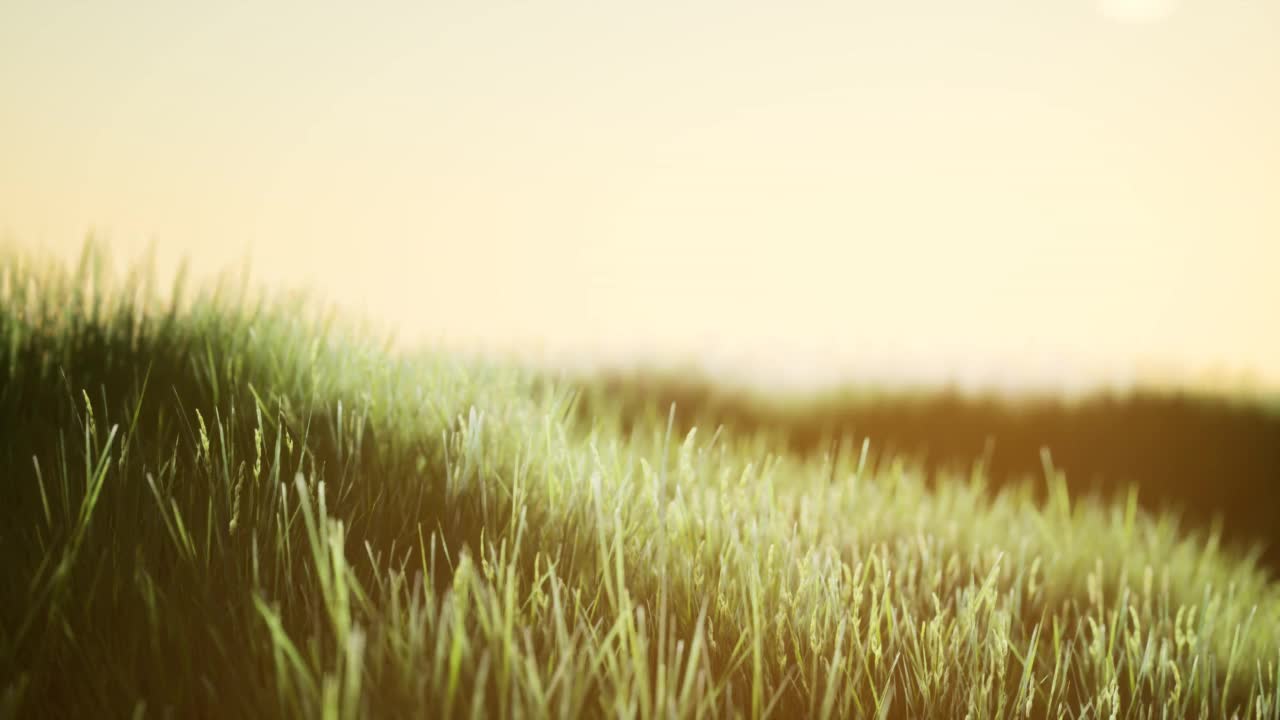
column 1136, row 11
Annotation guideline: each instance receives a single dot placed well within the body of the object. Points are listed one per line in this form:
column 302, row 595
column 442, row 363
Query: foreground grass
column 233, row 507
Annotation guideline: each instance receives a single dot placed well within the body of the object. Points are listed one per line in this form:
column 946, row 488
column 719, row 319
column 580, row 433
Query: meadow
column 1209, row 457
column 220, row 503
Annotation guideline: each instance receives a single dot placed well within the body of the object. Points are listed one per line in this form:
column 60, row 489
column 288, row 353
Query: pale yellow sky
column 995, row 191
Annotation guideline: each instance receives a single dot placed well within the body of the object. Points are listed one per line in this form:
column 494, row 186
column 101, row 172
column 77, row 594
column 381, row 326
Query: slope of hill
column 238, row 507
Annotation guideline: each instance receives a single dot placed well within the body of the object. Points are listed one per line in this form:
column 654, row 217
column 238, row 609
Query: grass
column 1207, row 456
column 232, row 506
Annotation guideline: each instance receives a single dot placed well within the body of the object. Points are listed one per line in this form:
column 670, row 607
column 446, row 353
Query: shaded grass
column 230, row 506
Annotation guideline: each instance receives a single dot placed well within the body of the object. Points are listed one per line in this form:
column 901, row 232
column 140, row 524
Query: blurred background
column 995, row 193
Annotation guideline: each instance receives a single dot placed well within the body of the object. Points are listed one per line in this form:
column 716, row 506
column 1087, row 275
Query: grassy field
column 228, row 506
column 1212, row 458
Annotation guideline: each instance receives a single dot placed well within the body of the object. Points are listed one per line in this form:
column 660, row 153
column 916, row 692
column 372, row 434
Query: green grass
column 1209, row 457
column 237, row 507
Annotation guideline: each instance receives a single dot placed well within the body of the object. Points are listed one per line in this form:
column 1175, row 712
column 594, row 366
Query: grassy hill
column 236, row 507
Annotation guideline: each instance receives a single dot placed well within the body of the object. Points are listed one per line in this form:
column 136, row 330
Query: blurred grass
column 218, row 504
column 1210, row 457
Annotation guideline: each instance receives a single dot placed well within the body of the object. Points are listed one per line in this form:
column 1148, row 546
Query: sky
column 992, row 192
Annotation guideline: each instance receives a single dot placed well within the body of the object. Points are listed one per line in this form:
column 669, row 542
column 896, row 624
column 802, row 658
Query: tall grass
column 231, row 506
column 1207, row 455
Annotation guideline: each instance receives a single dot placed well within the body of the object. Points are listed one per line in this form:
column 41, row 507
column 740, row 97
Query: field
column 218, row 504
